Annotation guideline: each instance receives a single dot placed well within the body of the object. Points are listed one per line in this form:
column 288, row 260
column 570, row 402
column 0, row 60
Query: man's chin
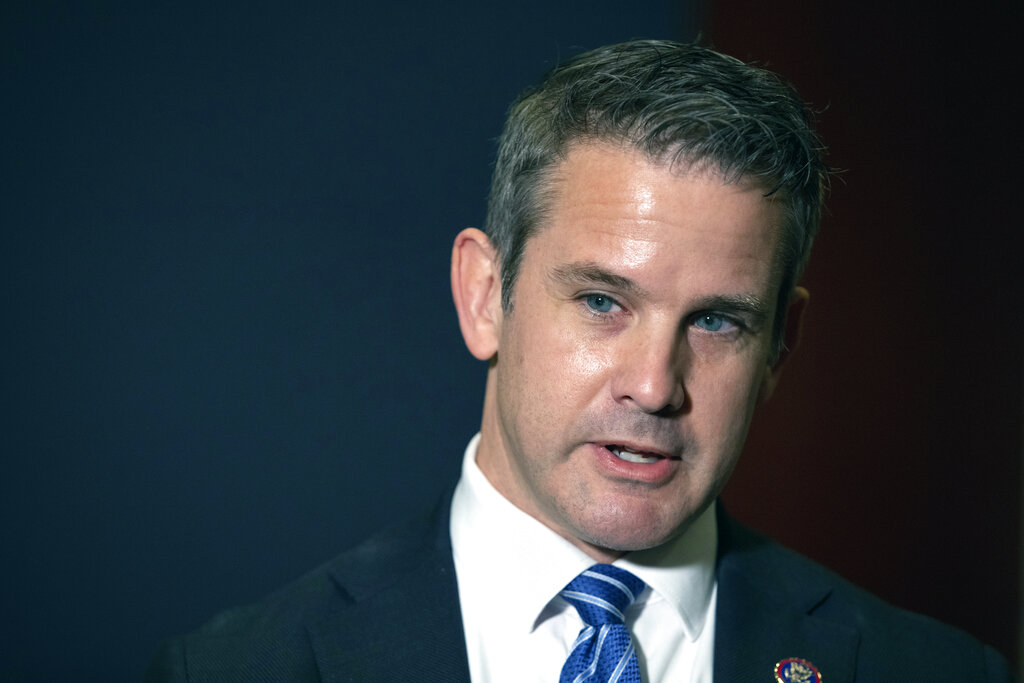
column 616, row 542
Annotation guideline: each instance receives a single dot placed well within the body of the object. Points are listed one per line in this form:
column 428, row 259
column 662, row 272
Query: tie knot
column 602, row 593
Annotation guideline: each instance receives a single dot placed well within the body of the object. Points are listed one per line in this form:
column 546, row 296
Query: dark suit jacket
column 389, row 611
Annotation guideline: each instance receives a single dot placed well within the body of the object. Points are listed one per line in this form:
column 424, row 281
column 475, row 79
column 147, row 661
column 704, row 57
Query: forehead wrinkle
column 589, row 273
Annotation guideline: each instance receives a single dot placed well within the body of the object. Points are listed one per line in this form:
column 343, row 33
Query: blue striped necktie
column 602, row 651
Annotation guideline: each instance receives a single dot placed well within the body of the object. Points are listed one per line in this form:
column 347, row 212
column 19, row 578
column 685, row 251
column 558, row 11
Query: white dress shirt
column 510, row 568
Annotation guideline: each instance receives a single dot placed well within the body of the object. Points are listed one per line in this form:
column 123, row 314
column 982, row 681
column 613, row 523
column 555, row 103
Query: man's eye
column 713, row 322
column 600, row 303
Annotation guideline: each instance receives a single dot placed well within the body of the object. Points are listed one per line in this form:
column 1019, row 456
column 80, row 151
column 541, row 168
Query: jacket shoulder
column 892, row 643
column 242, row 642
column 275, row 636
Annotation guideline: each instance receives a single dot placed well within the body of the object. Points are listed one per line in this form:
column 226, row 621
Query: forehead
column 609, row 168
column 609, row 201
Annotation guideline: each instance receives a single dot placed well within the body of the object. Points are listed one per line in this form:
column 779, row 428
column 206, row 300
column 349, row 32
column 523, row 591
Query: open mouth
column 623, row 453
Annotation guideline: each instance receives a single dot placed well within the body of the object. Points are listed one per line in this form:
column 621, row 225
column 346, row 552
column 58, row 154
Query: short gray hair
column 678, row 103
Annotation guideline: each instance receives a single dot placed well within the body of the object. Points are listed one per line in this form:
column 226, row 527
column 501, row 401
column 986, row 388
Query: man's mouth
column 623, row 453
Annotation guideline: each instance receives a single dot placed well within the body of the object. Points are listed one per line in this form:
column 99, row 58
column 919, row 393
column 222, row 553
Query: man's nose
column 650, row 373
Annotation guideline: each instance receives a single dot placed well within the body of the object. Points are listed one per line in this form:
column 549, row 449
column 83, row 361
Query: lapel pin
column 794, row 670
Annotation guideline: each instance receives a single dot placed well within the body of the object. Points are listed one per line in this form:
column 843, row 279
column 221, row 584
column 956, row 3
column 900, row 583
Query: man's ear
column 476, row 288
column 790, row 338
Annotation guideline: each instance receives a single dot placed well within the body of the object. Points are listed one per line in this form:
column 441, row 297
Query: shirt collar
column 493, row 538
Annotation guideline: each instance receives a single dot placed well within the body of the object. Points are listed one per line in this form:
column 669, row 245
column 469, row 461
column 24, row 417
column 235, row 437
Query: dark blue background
column 229, row 348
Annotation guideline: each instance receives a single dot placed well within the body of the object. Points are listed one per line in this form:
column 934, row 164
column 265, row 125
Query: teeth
column 630, row 456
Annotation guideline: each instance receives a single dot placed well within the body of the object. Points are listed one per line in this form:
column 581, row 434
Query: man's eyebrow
column 589, row 274
column 753, row 306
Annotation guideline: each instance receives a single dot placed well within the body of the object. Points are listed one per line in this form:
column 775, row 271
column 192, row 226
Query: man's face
column 627, row 374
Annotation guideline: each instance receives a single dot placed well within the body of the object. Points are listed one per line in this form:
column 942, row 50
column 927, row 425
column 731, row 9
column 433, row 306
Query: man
column 652, row 208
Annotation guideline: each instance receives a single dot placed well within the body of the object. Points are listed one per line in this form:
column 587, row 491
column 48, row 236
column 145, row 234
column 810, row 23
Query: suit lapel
column 402, row 608
column 765, row 613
